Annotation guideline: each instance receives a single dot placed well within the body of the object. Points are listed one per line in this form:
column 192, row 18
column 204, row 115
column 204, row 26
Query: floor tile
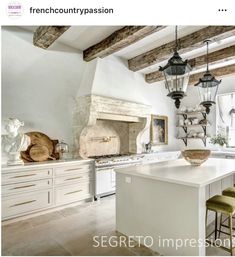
column 71, row 232
column 45, row 218
column 16, row 226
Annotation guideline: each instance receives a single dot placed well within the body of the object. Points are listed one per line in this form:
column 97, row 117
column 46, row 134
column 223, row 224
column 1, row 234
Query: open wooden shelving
column 185, row 139
column 186, row 114
column 185, row 127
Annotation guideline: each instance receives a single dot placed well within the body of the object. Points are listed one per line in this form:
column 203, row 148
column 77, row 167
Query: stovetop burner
column 116, row 159
column 108, row 156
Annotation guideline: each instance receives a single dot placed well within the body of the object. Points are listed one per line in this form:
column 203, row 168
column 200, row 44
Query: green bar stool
column 223, row 205
column 230, row 191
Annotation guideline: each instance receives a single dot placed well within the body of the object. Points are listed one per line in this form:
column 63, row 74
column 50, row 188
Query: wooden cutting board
column 39, row 153
column 38, row 138
column 39, row 142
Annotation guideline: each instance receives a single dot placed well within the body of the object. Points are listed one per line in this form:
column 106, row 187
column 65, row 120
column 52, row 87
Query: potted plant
column 219, row 140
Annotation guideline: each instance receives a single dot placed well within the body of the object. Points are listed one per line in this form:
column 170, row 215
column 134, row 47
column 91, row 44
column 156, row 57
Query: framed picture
column 159, row 130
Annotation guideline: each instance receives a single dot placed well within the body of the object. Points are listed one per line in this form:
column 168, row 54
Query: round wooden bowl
column 196, row 156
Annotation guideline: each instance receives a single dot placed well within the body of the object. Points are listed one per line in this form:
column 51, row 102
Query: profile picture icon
column 14, row 9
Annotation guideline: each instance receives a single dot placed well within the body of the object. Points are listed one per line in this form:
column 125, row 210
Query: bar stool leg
column 206, row 216
column 231, row 233
column 216, row 216
column 220, row 223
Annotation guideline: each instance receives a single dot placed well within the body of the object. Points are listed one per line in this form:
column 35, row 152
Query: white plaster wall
column 114, row 79
column 39, row 86
column 227, row 85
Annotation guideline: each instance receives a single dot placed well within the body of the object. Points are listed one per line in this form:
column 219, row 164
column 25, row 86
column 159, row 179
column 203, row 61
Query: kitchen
column 98, row 100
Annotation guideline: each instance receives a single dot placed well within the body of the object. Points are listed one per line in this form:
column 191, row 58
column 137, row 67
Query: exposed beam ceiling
column 118, row 40
column 218, row 73
column 44, row 36
column 221, row 56
column 186, row 44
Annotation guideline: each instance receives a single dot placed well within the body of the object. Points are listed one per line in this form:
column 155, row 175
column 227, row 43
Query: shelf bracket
column 185, row 141
column 185, row 129
column 204, row 141
column 204, row 115
column 204, row 130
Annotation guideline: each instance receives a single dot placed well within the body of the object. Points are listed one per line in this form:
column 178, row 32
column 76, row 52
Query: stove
column 117, row 160
column 105, row 174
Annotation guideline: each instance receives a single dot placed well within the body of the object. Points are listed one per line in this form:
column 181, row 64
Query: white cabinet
column 73, row 193
column 227, row 182
column 35, row 187
column 73, row 169
column 28, row 186
column 215, row 188
column 73, row 183
column 25, row 175
column 24, row 203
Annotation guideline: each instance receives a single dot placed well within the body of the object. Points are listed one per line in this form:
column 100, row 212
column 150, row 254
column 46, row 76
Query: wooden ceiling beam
column 218, row 73
column 119, row 40
column 186, row 44
column 45, row 36
column 220, row 56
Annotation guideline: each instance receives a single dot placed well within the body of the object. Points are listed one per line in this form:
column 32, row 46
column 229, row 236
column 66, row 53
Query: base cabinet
column 73, row 193
column 31, row 188
column 24, row 203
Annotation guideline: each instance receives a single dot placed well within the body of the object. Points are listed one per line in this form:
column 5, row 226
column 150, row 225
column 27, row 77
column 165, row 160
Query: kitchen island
column 163, row 204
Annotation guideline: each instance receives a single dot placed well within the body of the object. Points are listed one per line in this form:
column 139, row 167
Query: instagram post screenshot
column 117, row 128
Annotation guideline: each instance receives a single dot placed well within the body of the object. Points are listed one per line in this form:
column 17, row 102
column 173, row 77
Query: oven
column 106, row 176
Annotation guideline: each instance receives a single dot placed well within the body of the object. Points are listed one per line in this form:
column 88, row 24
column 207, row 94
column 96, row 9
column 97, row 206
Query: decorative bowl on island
column 196, row 156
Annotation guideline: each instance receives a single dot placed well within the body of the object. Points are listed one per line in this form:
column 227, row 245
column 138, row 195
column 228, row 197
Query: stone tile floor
column 70, row 232
column 67, row 232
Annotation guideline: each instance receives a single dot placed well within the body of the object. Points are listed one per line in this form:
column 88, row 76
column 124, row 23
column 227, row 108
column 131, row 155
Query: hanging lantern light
column 176, row 74
column 207, row 85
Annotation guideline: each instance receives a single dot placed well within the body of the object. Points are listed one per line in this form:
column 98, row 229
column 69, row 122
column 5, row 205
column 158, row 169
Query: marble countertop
column 31, row 165
column 223, row 152
column 181, row 172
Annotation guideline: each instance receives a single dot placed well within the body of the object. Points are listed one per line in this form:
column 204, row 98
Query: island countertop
column 181, row 172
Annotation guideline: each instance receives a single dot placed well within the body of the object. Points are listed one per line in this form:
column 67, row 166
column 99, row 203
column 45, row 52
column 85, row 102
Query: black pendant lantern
column 207, row 86
column 176, row 74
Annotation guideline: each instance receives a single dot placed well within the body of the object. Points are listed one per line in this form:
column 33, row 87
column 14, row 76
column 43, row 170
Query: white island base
column 163, row 204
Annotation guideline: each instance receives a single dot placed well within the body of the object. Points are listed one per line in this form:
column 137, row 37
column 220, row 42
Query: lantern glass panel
column 206, row 92
column 176, row 82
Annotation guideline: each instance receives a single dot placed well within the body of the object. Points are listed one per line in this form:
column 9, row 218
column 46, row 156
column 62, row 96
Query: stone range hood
column 104, row 126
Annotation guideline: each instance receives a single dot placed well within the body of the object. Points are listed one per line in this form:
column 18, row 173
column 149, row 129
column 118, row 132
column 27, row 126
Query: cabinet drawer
column 24, row 203
column 26, row 186
column 75, row 177
column 73, row 193
column 26, row 176
column 73, row 169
